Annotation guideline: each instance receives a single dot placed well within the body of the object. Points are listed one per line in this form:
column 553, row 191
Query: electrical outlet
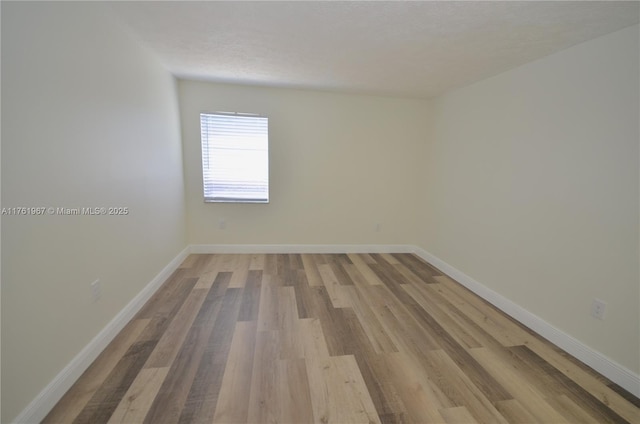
column 377, row 228
column 222, row 224
column 598, row 308
column 96, row 290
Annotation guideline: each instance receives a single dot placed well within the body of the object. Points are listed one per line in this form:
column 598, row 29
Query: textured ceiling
column 415, row 49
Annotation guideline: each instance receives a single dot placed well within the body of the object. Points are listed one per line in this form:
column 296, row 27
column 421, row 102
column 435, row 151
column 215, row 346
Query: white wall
column 89, row 119
column 339, row 165
column 532, row 189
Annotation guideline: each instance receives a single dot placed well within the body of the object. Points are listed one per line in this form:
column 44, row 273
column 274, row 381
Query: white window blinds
column 235, row 157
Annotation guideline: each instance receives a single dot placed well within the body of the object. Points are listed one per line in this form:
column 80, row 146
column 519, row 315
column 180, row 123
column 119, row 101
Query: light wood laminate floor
column 357, row 338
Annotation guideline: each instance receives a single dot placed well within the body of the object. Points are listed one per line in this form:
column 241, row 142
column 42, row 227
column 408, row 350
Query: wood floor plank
column 418, row 267
column 357, row 342
column 295, row 261
column 256, row 262
column 189, row 261
column 480, row 313
column 212, row 264
column 240, row 271
column 555, row 384
column 624, row 393
column 279, row 388
column 283, row 266
column 393, row 280
column 301, row 281
column 293, row 392
column 206, row 279
column 171, row 341
column 173, row 399
column 515, row 332
column 268, row 305
column 198, row 266
column 162, row 297
column 587, row 381
column 480, row 332
column 236, row 382
column 338, row 392
column 481, row 378
column 390, row 258
column 163, row 313
column 512, row 381
column 409, row 275
column 363, row 267
column 514, row 412
column 346, row 338
column 337, row 266
column 371, row 364
column 106, row 399
column 337, row 293
column 318, row 305
column 69, row 407
column 313, row 342
column 227, row 262
column 456, row 415
column 385, row 396
column 417, row 395
column 271, row 265
column 353, row 340
column 263, row 399
column 290, row 346
column 443, row 317
column 398, row 323
column 574, row 412
column 376, row 333
column 356, row 276
column 251, row 296
column 205, row 374
column 455, row 383
column 311, row 270
column 138, row 399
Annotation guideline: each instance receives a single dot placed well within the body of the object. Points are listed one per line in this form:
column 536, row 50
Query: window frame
column 208, row 169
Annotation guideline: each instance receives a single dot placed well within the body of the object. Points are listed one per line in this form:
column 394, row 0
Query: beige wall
column 89, row 119
column 339, row 165
column 532, row 189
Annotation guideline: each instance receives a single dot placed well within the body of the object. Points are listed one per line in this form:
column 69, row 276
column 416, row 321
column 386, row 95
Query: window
column 235, row 157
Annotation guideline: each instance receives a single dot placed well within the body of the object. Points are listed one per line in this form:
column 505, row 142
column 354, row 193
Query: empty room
column 320, row 212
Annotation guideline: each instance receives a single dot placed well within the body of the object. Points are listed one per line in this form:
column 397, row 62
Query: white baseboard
column 53, row 392
column 596, row 360
column 301, row 248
